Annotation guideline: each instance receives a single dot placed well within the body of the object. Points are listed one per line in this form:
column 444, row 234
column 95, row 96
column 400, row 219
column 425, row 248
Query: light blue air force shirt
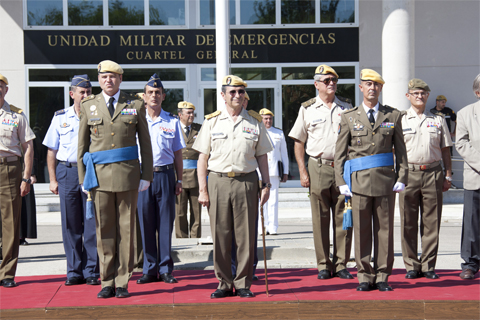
column 62, row 135
column 166, row 135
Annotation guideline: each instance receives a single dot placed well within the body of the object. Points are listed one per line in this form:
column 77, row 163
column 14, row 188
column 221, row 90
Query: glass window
column 209, row 74
column 173, row 74
column 303, row 73
column 300, row 11
column 207, row 12
column 126, row 12
column 346, row 91
column 261, row 98
column 209, row 101
column 60, row 74
column 337, row 11
column 45, row 12
column 247, row 74
column 167, row 12
column 257, row 11
column 85, row 12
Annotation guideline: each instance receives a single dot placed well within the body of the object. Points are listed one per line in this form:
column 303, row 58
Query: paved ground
column 292, row 248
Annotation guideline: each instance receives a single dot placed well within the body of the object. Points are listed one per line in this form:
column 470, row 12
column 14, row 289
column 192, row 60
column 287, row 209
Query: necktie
column 110, row 106
column 187, row 131
column 370, row 117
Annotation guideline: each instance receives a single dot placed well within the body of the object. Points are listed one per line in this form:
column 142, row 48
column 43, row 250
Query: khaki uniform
column 373, row 198
column 317, row 126
column 116, row 196
column 189, row 192
column 14, row 130
column 232, row 148
column 424, row 140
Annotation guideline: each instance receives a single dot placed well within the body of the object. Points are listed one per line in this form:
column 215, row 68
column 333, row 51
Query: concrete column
column 398, row 51
column 222, row 45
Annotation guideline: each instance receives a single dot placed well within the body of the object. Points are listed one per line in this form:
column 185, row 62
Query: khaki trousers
column 10, row 207
column 373, row 223
column 188, row 195
column 233, row 211
column 424, row 191
column 327, row 203
column 115, row 224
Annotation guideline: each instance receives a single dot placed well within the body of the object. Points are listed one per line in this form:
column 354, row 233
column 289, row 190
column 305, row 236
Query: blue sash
column 364, row 163
column 189, row 164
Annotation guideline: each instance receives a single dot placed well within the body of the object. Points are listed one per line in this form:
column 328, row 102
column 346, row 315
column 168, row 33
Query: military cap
column 233, row 81
column 371, row 75
column 442, row 97
column 265, row 112
column 246, row 96
column 81, row 81
column 185, row 105
column 4, row 79
column 324, row 69
column 418, row 84
column 109, row 66
column 155, row 81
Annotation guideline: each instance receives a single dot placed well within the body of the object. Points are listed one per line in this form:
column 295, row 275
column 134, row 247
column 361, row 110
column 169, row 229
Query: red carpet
column 195, row 287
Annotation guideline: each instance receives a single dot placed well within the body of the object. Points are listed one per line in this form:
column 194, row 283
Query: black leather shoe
column 146, row 278
column 365, row 286
column 92, row 281
column 122, row 293
column 431, row 275
column 8, row 283
column 74, row 281
column 221, row 294
column 343, row 274
column 168, row 278
column 383, row 286
column 244, row 293
column 106, row 292
column 23, row 242
column 255, row 278
column 324, row 274
column 467, row 274
column 412, row 274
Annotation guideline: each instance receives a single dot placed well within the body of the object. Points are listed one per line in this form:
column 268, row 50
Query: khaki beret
column 324, row 69
column 418, row 84
column 442, row 97
column 265, row 112
column 246, row 96
column 4, row 79
column 185, row 105
column 371, row 75
column 233, row 81
column 109, row 66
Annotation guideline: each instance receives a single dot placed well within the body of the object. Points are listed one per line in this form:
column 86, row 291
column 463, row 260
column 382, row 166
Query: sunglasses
column 327, row 80
column 234, row 92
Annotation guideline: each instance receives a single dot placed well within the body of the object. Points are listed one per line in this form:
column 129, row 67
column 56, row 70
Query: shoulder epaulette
column 351, row 110
column 391, row 108
column 403, row 112
column 212, row 115
column 59, row 112
column 255, row 114
column 196, row 126
column 172, row 115
column 15, row 109
column 308, row 103
column 90, row 97
column 343, row 99
column 439, row 114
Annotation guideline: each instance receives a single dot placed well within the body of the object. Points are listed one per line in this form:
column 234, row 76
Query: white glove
column 83, row 189
column 398, row 187
column 345, row 190
column 143, row 185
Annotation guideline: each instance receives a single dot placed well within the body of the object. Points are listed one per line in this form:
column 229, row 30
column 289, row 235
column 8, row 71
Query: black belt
column 327, row 162
column 8, row 159
column 163, row 168
column 68, row 164
column 230, row 174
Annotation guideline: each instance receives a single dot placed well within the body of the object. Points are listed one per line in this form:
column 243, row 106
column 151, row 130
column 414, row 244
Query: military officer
column 108, row 166
column 15, row 136
column 317, row 126
column 156, row 205
column 363, row 155
column 276, row 158
column 468, row 146
column 427, row 140
column 232, row 143
column 189, row 194
column 78, row 233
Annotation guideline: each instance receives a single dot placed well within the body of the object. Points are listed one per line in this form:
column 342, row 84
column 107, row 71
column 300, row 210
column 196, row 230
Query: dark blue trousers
column 470, row 245
column 156, row 212
column 79, row 234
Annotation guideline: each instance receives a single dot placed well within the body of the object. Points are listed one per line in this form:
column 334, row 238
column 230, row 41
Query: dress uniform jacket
column 14, row 130
column 98, row 131
column 189, row 179
column 373, row 196
column 424, row 139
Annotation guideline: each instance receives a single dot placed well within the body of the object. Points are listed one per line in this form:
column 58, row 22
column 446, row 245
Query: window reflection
column 126, row 12
column 167, row 12
column 300, row 11
column 257, row 11
column 45, row 12
column 337, row 11
column 207, row 12
column 85, row 12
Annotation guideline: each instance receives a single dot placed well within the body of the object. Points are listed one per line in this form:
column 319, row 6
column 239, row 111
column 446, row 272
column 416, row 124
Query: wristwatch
column 266, row 185
column 179, row 181
column 29, row 181
column 449, row 179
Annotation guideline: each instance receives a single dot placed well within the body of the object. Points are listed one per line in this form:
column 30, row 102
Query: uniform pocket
column 96, row 127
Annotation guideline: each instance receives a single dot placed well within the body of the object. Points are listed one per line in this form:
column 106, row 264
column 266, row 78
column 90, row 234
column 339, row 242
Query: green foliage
column 85, row 13
column 265, row 12
column 301, row 11
column 53, row 17
column 120, row 14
